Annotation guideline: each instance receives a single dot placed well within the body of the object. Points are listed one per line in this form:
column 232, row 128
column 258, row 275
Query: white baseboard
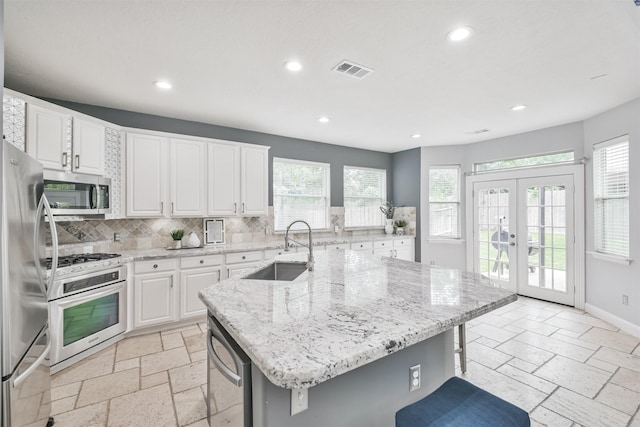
column 625, row 325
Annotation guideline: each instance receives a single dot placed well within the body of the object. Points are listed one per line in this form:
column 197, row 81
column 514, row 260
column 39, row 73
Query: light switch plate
column 299, row 400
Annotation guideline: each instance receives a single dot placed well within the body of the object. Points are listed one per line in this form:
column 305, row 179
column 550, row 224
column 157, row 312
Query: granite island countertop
column 351, row 310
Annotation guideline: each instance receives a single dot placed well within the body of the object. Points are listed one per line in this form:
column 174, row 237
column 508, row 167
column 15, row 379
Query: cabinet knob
column 360, row 245
column 244, row 257
column 201, row 261
column 383, row 244
column 155, row 265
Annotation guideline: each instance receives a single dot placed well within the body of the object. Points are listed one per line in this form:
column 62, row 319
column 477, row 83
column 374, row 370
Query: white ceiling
column 225, row 60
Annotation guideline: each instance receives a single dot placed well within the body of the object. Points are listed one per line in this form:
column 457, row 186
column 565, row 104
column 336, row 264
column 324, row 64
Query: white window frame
column 326, row 195
column 434, row 204
column 379, row 201
column 600, row 198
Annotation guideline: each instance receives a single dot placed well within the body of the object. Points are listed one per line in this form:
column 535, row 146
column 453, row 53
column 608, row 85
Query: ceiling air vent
column 477, row 132
column 352, row 69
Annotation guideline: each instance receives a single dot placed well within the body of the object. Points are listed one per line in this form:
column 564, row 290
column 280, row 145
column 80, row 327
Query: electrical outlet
column 414, row 378
column 299, row 400
column 625, row 299
column 432, row 263
column 116, row 237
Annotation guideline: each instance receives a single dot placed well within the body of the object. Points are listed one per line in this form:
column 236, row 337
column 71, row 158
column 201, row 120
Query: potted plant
column 177, row 235
column 388, row 211
column 400, row 225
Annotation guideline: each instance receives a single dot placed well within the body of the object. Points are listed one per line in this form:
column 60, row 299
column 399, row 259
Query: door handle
column 235, row 208
column 242, row 207
column 34, row 365
column 65, row 159
column 171, row 281
column 77, row 161
column 512, row 244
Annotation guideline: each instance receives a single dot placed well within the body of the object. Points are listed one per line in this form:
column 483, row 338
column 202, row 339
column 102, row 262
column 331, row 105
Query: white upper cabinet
column 238, row 180
column 47, row 137
column 146, row 175
column 223, row 179
column 254, row 187
column 88, row 147
column 188, row 178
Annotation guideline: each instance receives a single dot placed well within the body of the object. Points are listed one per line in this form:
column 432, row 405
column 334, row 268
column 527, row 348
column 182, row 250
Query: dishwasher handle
column 224, row 369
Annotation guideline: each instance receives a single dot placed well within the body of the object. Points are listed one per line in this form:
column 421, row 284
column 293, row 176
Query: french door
column 524, row 234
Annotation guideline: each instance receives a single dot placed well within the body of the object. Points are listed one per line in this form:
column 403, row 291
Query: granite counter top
column 353, row 309
column 159, row 253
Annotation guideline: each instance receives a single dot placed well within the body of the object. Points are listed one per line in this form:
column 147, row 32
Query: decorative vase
column 389, row 227
column 177, row 244
column 193, row 241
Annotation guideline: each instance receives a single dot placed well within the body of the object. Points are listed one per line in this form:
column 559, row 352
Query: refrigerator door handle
column 54, row 239
column 36, row 245
column 20, row 378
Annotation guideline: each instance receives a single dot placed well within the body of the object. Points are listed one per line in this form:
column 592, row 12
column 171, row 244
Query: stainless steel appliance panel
column 229, row 401
column 26, row 393
column 77, row 194
column 24, row 299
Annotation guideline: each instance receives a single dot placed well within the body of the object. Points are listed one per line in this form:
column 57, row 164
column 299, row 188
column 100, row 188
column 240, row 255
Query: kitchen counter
column 160, row 253
column 353, row 309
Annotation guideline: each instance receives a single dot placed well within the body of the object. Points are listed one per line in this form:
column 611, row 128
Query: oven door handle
column 87, row 296
column 224, row 369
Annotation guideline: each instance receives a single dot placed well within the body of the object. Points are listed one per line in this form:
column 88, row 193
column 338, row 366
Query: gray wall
column 553, row 139
column 292, row 148
column 406, row 185
column 608, row 281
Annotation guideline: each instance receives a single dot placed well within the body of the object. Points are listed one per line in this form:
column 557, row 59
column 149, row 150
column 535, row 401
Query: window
column 444, row 202
column 611, row 196
column 523, row 162
column 365, row 190
column 300, row 191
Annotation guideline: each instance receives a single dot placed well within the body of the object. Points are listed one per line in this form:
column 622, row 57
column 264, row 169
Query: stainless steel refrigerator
column 24, row 332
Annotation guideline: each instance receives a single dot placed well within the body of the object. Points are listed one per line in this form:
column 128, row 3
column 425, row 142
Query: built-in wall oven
column 86, row 309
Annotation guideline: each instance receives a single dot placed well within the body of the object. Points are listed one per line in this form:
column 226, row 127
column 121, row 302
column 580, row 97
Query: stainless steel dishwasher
column 228, row 380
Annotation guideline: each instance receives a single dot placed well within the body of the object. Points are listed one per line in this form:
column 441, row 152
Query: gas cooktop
column 66, row 261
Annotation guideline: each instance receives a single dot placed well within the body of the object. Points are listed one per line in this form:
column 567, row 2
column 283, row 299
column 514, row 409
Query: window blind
column 365, row 190
column 300, row 191
column 611, row 196
column 444, row 202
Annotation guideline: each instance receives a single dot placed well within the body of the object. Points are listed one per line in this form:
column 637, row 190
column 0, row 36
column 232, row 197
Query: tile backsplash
column 98, row 235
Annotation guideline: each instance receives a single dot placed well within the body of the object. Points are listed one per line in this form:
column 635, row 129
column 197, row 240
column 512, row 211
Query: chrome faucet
column 309, row 245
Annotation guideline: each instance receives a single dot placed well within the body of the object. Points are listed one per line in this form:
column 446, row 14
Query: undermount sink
column 279, row 271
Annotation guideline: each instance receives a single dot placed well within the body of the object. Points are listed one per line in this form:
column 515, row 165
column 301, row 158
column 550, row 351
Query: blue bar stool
column 458, row 403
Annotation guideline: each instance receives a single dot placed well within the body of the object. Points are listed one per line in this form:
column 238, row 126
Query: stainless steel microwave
column 77, row 194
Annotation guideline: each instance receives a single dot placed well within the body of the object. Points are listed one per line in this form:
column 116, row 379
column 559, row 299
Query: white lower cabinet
column 241, row 263
column 197, row 273
column 155, row 292
column 400, row 248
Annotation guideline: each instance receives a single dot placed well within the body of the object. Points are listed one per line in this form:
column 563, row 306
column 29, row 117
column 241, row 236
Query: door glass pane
column 546, row 225
column 83, row 320
column 493, row 233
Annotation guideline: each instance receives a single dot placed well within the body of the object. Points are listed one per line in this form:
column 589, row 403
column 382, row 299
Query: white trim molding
column 611, row 258
column 625, row 325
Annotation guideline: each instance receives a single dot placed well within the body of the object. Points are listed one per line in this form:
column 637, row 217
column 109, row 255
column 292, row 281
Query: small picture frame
column 214, row 233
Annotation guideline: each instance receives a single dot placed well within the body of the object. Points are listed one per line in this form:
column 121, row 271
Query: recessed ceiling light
column 416, row 136
column 518, row 107
column 293, row 66
column 324, row 120
column 162, row 84
column 458, row 34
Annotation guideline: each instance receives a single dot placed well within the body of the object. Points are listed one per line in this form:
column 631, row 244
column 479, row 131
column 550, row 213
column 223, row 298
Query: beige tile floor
column 565, row 367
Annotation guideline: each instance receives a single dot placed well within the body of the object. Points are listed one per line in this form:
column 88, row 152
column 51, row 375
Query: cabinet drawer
column 337, row 246
column 155, row 265
column 383, row 244
column 357, row 246
column 402, row 243
column 237, row 257
column 272, row 253
column 201, row 261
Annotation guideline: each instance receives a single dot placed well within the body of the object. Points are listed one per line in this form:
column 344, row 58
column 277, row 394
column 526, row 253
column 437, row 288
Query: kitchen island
column 345, row 335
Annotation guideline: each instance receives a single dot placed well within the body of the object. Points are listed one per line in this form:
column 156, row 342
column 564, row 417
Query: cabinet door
column 192, row 282
column 241, row 270
column 47, row 137
column 188, row 178
column 405, row 253
column 255, row 181
column 146, row 175
column 154, row 299
column 224, row 179
column 88, row 147
column 383, row 252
